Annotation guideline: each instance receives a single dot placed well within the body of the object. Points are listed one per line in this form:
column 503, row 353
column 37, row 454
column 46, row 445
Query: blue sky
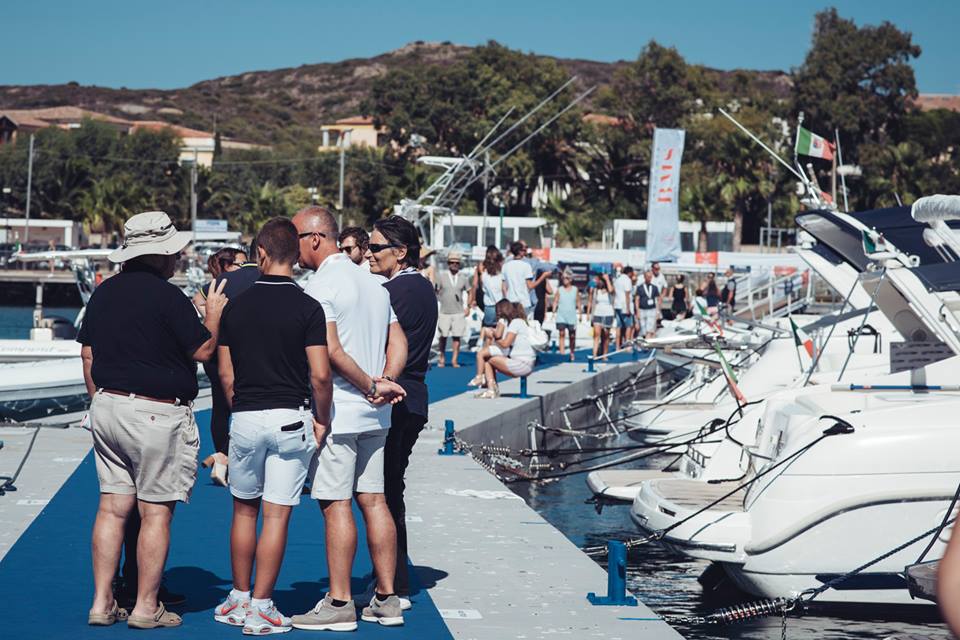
column 174, row 43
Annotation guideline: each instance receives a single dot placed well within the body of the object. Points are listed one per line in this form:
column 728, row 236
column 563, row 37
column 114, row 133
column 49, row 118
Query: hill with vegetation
column 283, row 106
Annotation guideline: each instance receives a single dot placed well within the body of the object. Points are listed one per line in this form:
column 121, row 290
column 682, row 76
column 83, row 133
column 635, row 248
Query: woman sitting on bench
column 511, row 352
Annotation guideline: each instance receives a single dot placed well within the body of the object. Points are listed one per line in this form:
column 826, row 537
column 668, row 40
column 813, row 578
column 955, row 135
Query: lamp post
column 342, row 143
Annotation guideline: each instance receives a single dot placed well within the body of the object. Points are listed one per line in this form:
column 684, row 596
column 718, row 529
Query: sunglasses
column 306, row 234
column 377, row 248
column 348, row 248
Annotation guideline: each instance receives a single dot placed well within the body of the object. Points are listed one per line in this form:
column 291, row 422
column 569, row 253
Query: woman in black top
column 392, row 252
column 680, row 306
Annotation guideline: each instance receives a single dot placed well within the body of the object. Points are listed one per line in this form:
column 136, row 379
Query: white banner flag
column 663, row 203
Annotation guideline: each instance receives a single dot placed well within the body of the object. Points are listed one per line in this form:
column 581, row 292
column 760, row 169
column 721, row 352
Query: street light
column 342, row 142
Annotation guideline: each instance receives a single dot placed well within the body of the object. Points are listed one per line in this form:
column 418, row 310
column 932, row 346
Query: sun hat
column 453, row 256
column 150, row 233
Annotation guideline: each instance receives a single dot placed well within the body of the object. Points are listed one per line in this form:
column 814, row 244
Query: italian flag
column 706, row 317
column 730, row 376
column 873, row 242
column 810, row 144
column 801, row 339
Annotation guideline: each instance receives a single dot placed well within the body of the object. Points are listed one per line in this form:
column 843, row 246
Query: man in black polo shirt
column 140, row 337
column 273, row 358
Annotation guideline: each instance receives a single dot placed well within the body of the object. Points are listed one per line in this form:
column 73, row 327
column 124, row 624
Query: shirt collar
column 405, row 272
column 333, row 257
column 272, row 278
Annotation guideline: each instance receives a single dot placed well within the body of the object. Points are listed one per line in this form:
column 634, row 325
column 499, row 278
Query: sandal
column 488, row 394
column 162, row 618
column 477, row 381
column 107, row 619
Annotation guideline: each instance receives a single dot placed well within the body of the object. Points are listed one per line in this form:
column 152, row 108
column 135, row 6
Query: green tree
column 856, row 79
column 658, row 89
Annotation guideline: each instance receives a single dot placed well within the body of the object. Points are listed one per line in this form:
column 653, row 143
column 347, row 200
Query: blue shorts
column 624, row 319
column 605, row 322
column 489, row 316
column 566, row 326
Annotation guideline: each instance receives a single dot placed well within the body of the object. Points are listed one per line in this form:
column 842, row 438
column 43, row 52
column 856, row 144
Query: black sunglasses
column 348, row 248
column 310, row 233
column 377, row 248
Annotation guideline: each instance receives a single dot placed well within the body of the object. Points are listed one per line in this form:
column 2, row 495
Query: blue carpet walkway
column 46, row 577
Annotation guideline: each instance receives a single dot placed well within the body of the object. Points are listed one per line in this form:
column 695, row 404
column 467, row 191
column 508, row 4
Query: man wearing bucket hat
column 140, row 337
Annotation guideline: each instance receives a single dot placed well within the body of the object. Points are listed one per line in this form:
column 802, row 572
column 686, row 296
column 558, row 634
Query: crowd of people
column 318, row 390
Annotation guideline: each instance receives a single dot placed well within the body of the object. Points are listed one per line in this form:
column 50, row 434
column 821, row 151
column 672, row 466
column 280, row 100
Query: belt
column 117, row 392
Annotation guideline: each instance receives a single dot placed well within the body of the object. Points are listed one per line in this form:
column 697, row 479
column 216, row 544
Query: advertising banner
column 663, row 203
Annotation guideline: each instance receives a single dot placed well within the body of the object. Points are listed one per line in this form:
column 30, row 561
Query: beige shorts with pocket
column 349, row 463
column 452, row 325
column 144, row 447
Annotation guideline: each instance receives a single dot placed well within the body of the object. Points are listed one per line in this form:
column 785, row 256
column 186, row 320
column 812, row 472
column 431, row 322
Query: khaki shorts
column 144, row 447
column 452, row 325
column 348, row 463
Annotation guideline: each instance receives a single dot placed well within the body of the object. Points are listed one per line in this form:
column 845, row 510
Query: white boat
column 816, row 507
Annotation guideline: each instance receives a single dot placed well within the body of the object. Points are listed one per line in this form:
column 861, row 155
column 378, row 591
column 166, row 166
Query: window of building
column 634, row 238
column 531, row 235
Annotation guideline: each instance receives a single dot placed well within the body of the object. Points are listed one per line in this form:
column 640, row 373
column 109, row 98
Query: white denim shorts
column 349, row 463
column 270, row 453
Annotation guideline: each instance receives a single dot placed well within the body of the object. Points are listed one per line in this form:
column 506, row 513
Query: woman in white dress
column 511, row 353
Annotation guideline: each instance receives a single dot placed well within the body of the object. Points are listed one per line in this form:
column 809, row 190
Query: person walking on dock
column 623, row 305
column 366, row 347
column 270, row 364
column 648, row 306
column 450, row 287
column 415, row 306
column 566, row 306
column 140, row 338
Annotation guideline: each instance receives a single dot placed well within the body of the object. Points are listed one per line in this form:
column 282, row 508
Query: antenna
column 814, row 191
column 460, row 173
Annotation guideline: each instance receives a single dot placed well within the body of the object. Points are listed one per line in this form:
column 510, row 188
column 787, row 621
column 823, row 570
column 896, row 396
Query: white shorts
column 648, row 321
column 349, row 463
column 452, row 325
column 519, row 368
column 270, row 453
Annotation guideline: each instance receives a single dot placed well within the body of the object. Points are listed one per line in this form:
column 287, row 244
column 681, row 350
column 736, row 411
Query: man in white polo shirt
column 367, row 348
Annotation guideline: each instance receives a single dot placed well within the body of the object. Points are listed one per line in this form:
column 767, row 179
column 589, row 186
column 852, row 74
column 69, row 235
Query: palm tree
column 108, row 203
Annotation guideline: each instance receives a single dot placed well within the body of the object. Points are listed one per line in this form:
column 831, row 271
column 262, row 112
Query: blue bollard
column 616, row 579
column 590, row 364
column 523, row 387
column 449, row 440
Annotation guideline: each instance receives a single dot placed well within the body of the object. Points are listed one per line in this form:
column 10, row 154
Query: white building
column 624, row 233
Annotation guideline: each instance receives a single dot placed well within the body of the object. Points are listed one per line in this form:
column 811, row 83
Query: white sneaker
column 261, row 622
column 232, row 611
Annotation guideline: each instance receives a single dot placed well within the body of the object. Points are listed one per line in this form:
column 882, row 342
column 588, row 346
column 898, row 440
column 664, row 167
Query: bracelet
column 373, row 389
column 390, row 378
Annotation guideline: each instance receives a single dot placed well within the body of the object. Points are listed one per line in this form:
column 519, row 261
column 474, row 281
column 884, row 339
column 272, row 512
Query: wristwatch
column 373, row 389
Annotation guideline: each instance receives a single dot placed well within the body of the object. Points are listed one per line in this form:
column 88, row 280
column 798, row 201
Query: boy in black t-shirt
column 273, row 358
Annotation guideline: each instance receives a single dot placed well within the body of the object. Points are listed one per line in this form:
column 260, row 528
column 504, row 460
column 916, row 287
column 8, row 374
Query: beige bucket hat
column 150, row 233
